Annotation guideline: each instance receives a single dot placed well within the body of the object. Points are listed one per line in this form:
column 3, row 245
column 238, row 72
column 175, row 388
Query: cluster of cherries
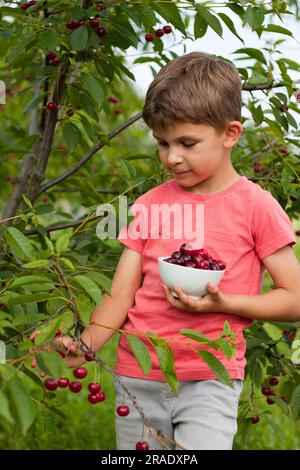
column 96, row 395
column 195, row 258
column 268, row 392
column 167, row 29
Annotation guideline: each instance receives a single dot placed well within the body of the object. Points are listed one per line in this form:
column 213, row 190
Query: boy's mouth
column 180, row 173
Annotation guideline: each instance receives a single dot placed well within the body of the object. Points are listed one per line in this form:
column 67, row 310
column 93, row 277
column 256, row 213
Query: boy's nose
column 174, row 157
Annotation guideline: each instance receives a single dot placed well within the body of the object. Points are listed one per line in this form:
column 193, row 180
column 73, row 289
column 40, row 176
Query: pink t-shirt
column 242, row 225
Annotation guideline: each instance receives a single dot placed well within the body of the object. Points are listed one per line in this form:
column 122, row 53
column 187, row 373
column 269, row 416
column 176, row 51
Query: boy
column 193, row 107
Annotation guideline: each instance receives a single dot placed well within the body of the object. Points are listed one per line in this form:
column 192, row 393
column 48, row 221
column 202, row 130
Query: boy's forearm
column 111, row 313
column 276, row 305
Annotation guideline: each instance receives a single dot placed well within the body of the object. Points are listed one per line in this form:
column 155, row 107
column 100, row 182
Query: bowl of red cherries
column 191, row 269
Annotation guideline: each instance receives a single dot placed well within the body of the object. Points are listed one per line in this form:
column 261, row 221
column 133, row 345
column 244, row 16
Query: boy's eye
column 183, row 143
column 187, row 145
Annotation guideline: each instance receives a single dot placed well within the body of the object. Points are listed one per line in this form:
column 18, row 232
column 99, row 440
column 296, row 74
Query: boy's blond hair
column 196, row 87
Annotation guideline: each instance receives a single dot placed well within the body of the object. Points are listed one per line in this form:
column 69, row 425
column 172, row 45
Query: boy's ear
column 233, row 132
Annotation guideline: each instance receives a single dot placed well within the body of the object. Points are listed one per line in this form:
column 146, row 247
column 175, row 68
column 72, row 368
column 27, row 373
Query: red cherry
column 42, row 374
column 189, row 264
column 203, row 264
column 159, row 33
column 54, row 62
column 257, row 167
column 118, row 111
column 100, row 6
column 283, row 150
column 58, row 333
column 33, row 363
column 283, row 398
column 94, row 388
column 70, row 112
column 255, row 419
column 94, row 398
column 270, row 402
column 167, row 29
column 101, row 32
column 273, row 381
column 72, row 24
column 51, row 384
column 112, row 99
column 80, row 23
column 123, row 410
column 63, row 382
column 267, row 391
column 26, row 5
column 283, row 107
column 51, row 55
column 52, row 106
column 142, row 445
column 102, row 396
column 80, row 372
column 75, row 387
column 89, row 356
column 149, row 37
column 94, row 22
column 222, row 264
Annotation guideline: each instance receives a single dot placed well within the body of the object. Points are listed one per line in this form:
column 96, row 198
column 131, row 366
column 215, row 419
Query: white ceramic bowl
column 191, row 280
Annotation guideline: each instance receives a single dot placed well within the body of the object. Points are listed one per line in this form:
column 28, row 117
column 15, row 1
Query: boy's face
column 198, row 156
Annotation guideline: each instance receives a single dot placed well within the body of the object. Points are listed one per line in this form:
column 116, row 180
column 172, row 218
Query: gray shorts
column 202, row 417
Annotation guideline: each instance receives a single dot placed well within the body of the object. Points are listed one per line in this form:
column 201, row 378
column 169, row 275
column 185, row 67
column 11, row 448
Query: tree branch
column 89, row 154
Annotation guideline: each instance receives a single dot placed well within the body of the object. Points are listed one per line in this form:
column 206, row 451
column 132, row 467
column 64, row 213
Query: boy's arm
column 113, row 310
column 283, row 302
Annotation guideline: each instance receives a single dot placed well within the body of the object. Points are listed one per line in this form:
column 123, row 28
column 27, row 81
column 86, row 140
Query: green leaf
column 196, row 336
column 200, row 26
column 71, row 136
column 254, row 17
column 141, row 353
column 101, row 280
column 19, row 244
column 68, row 263
column 237, row 9
column 90, row 287
column 210, row 19
column 24, row 280
column 94, row 88
column 4, row 408
column 22, row 402
column 274, row 28
column 27, row 201
column 285, row 179
column 166, row 360
column 216, row 366
column 48, row 40
column 39, row 263
column 47, row 332
column 25, row 299
column 291, row 120
column 251, row 52
column 295, row 403
column 79, row 38
column 227, row 330
column 50, row 362
column 62, row 243
column 229, row 23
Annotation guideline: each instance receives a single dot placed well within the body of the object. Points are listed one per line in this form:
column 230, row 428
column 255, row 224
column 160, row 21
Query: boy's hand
column 213, row 301
column 74, row 357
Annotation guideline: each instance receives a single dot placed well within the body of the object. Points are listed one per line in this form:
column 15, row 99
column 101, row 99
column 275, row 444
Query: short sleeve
column 271, row 227
column 135, row 234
